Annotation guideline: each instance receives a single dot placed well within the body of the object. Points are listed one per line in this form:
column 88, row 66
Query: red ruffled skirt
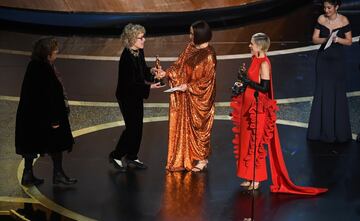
column 265, row 132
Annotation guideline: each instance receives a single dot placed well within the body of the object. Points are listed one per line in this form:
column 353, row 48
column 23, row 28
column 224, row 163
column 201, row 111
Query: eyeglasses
column 141, row 38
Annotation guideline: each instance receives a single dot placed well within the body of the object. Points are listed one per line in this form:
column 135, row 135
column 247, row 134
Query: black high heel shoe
column 61, row 178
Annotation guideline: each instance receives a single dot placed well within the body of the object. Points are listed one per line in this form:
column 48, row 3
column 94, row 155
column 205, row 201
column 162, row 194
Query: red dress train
column 244, row 118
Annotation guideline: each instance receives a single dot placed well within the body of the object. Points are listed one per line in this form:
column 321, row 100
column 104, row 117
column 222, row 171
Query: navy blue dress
column 329, row 118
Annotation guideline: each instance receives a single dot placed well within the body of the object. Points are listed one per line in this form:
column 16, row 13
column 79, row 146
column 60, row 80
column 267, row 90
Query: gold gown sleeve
column 174, row 72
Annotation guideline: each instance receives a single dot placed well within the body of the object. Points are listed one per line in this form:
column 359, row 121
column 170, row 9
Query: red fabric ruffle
column 265, row 105
column 281, row 182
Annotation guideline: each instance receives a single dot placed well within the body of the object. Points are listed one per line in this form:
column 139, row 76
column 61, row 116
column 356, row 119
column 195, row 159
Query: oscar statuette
column 239, row 86
column 158, row 66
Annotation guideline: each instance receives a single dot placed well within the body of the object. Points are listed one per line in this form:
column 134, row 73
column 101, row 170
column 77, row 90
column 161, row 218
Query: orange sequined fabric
column 191, row 113
column 184, row 197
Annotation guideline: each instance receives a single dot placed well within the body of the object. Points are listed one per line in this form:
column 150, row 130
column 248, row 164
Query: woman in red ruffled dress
column 258, row 81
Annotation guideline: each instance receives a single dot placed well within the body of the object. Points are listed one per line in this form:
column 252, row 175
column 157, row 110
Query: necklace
column 332, row 21
column 134, row 52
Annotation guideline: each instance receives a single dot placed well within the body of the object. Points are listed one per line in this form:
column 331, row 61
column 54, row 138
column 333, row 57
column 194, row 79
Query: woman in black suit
column 42, row 125
column 134, row 83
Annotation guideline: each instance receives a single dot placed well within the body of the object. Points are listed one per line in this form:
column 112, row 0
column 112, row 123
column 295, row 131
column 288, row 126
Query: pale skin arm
column 348, row 35
column 265, row 71
column 316, row 34
column 316, row 39
column 344, row 41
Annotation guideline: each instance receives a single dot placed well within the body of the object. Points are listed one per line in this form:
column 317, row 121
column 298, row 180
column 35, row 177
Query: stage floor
column 103, row 193
column 89, row 68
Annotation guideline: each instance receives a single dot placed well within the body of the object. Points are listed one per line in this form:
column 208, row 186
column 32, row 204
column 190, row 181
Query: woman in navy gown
column 329, row 117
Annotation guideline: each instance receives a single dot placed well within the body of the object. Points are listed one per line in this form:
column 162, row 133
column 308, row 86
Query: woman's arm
column 348, row 35
column 316, row 39
column 316, row 34
column 264, row 85
column 344, row 41
column 265, row 71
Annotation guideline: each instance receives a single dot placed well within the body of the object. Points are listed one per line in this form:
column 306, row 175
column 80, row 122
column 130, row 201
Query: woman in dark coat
column 134, row 83
column 42, row 125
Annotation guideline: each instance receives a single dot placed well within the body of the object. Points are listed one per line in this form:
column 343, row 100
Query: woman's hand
column 183, row 87
column 160, row 73
column 156, row 85
column 335, row 38
column 55, row 126
column 155, row 70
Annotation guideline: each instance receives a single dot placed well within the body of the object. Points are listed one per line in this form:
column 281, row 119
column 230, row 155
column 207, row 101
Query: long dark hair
column 333, row 2
column 43, row 48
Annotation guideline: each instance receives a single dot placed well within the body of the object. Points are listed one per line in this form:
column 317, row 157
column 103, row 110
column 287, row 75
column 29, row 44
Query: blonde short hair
column 262, row 40
column 130, row 33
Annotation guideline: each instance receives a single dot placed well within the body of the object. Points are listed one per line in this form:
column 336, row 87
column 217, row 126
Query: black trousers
column 130, row 139
column 57, row 159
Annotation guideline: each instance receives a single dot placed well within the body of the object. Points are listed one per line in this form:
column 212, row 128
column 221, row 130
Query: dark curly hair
column 43, row 48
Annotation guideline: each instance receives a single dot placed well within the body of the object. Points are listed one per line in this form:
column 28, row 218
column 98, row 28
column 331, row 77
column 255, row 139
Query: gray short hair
column 130, row 33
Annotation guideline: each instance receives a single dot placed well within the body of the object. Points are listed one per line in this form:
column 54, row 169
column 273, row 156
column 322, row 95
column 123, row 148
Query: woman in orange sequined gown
column 192, row 109
column 244, row 117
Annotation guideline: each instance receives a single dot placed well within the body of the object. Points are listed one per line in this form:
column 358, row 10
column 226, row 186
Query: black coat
column 41, row 106
column 133, row 74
